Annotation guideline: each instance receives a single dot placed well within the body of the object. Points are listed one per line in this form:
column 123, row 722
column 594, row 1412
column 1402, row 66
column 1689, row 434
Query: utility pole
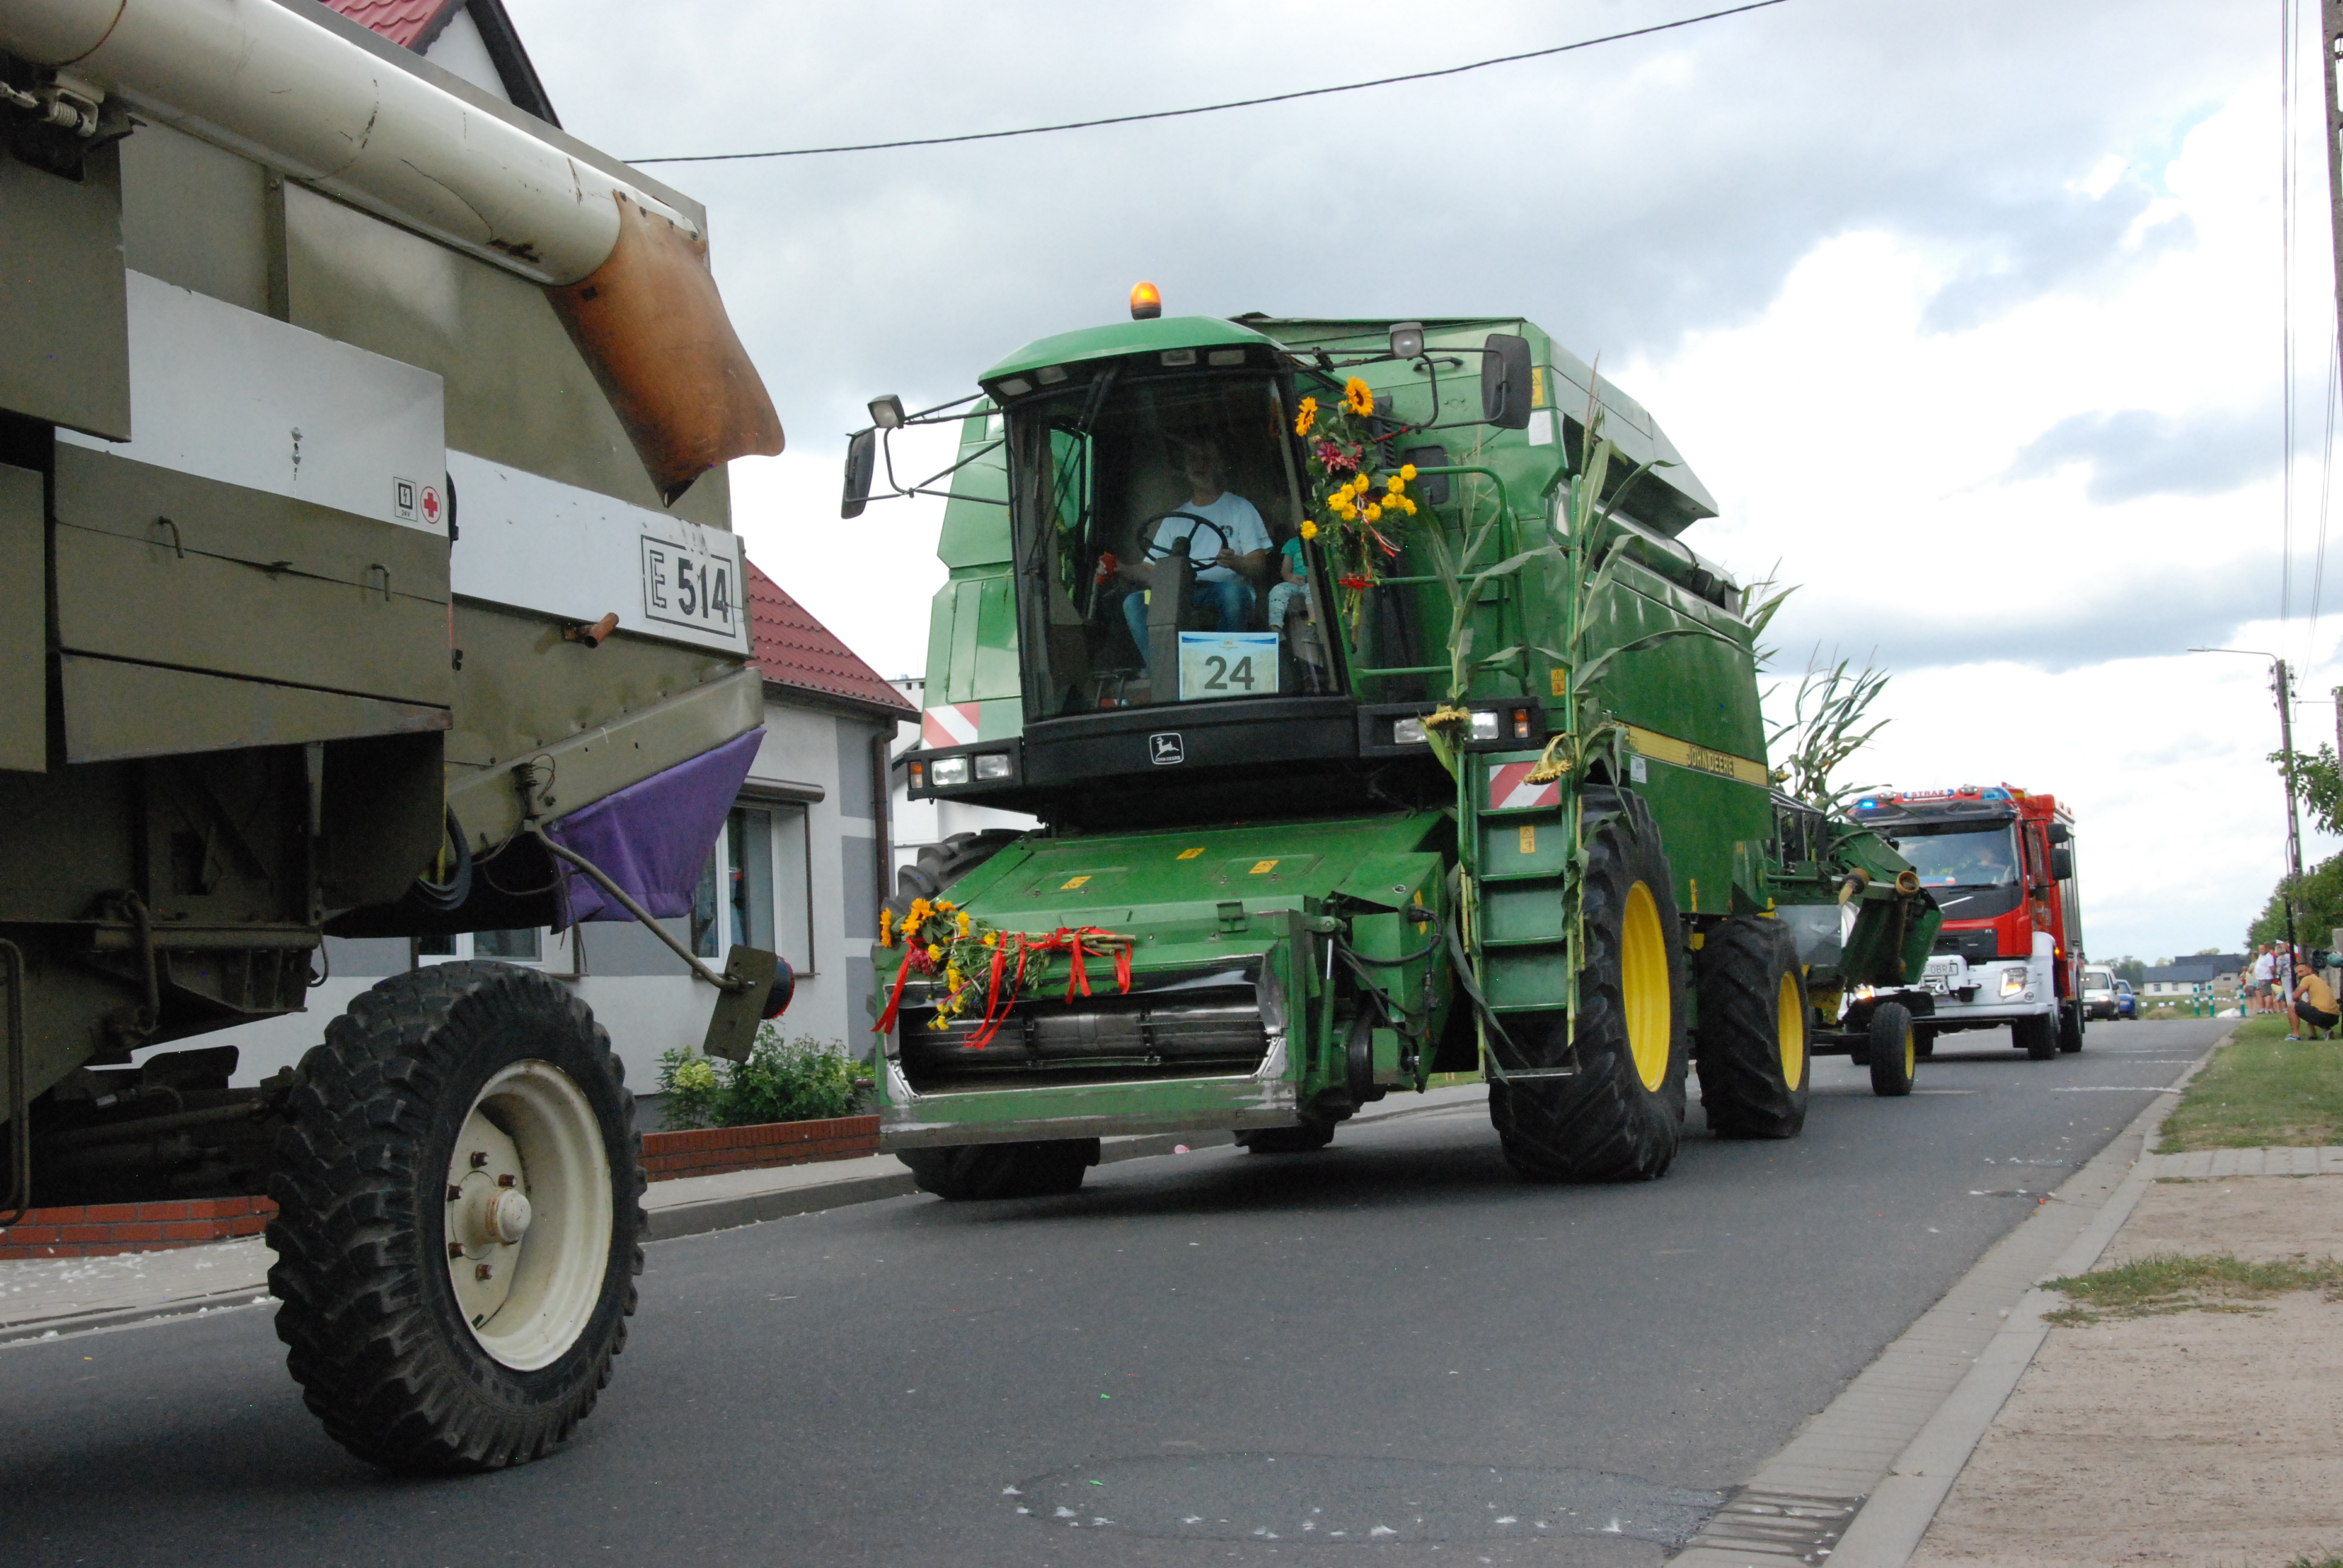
column 2282, row 687
column 2281, row 684
column 2330, row 54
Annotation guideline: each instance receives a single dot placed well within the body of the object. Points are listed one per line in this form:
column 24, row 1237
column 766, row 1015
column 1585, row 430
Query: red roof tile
column 401, row 21
column 794, row 649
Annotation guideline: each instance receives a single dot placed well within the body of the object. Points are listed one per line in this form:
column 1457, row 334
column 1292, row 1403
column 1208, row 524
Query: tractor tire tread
column 351, row 1272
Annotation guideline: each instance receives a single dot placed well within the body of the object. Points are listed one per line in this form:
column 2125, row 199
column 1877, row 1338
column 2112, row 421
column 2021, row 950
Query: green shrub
column 804, row 1079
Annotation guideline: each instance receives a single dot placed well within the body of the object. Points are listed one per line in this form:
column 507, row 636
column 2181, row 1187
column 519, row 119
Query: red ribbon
column 1000, row 1000
column 895, row 998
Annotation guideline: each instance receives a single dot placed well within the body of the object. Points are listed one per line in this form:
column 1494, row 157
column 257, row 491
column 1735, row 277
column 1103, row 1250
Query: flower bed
column 703, row 1152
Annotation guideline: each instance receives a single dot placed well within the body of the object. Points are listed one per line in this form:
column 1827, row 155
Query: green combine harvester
column 1380, row 727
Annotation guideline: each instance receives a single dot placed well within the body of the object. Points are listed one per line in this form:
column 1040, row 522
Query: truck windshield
column 1983, row 856
column 1158, row 523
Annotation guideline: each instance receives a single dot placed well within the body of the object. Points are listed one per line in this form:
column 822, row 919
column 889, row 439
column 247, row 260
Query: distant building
column 2181, row 976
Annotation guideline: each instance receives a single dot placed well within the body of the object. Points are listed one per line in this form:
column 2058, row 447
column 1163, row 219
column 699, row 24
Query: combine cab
column 1460, row 768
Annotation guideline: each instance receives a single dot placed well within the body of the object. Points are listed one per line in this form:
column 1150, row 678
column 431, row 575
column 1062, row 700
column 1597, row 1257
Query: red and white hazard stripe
column 1509, row 789
column 951, row 725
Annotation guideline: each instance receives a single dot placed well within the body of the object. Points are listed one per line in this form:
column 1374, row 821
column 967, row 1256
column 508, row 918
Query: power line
column 2289, row 28
column 1216, row 108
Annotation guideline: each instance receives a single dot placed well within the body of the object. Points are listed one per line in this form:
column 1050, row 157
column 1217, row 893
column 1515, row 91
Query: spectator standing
column 2265, row 974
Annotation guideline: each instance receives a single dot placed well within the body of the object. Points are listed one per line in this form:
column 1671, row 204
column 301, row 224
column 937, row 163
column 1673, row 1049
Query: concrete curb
column 127, row 1316
column 1930, row 1396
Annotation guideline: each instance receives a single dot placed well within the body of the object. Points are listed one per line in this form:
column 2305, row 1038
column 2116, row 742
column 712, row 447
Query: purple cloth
column 652, row 838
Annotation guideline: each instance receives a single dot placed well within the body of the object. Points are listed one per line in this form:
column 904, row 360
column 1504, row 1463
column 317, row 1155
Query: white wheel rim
column 527, row 1224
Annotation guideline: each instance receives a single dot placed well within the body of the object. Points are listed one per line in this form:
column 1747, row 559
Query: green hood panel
column 1174, row 878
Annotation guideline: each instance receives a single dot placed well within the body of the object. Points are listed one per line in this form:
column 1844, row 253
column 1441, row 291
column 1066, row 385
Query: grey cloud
column 2135, row 453
column 2127, row 614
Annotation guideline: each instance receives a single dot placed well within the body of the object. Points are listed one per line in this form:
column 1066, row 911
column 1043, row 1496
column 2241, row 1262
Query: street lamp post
column 2281, row 687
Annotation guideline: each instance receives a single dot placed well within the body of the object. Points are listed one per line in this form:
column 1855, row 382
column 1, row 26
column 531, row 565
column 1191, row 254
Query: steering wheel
column 1155, row 551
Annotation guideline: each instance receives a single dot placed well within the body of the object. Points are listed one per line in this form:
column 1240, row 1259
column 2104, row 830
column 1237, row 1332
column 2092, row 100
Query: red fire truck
column 2000, row 861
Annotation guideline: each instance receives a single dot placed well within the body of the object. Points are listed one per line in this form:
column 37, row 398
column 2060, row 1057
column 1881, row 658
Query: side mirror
column 2060, row 832
column 2062, row 863
column 1505, row 381
column 861, row 462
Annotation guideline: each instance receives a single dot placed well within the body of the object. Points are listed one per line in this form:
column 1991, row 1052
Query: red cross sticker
column 431, row 505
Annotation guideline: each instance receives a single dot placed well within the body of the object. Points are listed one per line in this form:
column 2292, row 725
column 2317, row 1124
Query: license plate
column 684, row 586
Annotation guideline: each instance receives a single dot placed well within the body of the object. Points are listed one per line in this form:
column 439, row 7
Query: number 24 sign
column 684, row 586
column 1216, row 664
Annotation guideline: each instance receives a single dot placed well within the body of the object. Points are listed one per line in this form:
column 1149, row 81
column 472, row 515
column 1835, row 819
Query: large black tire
column 1307, row 1138
column 975, row 1171
column 1894, row 1052
column 1751, row 1046
column 1619, row 1116
column 2037, row 1036
column 385, row 1355
column 939, row 865
column 2070, row 1028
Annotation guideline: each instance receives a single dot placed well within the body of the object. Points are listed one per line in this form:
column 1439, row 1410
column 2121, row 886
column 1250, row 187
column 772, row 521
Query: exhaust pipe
column 628, row 273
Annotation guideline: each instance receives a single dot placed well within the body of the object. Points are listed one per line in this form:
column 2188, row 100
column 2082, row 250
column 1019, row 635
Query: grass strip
column 2261, row 1091
column 2188, row 1283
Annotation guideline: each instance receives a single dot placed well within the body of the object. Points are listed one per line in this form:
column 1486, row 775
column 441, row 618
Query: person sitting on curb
column 2312, row 1002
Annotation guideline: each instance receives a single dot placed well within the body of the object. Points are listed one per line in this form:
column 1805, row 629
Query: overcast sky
column 1968, row 311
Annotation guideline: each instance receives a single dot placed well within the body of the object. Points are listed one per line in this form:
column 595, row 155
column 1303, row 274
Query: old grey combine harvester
column 366, row 568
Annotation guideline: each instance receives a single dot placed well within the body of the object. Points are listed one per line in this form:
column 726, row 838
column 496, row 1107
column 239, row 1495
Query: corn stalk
column 1830, row 721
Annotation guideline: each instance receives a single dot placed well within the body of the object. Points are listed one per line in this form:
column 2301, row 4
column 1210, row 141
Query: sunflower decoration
column 1306, row 417
column 1358, row 397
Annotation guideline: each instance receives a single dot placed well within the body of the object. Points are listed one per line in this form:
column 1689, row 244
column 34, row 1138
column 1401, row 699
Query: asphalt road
column 1392, row 1350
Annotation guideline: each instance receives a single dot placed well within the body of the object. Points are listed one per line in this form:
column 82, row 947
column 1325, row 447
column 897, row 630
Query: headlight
column 992, row 765
column 948, row 770
column 2012, row 980
column 1408, row 733
column 1485, row 725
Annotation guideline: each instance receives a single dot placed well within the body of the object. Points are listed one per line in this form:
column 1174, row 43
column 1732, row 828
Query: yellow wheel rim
column 1911, row 1052
column 1790, row 1029
column 1644, row 986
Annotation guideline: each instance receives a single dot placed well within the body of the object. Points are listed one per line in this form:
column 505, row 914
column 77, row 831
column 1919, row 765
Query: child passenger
column 1292, row 584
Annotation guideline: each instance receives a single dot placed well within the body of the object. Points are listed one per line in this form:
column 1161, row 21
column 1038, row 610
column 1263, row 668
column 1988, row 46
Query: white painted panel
column 536, row 543
column 228, row 394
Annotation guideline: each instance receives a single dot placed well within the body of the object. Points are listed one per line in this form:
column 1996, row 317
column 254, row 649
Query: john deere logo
column 1163, row 751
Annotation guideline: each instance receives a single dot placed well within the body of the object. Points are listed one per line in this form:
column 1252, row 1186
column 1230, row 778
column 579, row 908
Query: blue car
column 2126, row 1004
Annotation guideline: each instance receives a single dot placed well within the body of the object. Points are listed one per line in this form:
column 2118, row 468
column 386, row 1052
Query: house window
column 524, row 944
column 757, row 890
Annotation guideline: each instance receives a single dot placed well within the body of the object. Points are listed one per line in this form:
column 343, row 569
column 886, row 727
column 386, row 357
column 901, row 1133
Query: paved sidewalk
column 49, row 1297
column 2175, row 1437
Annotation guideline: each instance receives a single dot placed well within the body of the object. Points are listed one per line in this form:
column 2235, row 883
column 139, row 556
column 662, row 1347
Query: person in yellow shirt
column 2312, row 1003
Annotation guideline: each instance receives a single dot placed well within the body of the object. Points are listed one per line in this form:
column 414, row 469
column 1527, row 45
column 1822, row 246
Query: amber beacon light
column 1146, row 302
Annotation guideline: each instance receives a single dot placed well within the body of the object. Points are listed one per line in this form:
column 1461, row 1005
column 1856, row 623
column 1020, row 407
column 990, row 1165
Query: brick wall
column 101, row 1230
column 668, row 1155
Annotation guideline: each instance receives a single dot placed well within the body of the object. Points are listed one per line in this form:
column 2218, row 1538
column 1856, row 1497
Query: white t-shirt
column 2266, row 969
column 1237, row 520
